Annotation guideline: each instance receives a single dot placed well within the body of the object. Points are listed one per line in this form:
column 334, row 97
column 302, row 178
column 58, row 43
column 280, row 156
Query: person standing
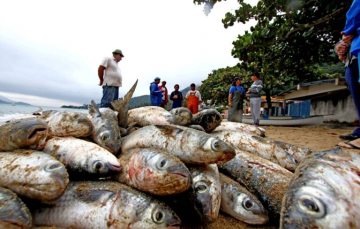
column 236, row 100
column 177, row 97
column 348, row 50
column 155, row 92
column 254, row 93
column 110, row 78
column 193, row 98
column 165, row 96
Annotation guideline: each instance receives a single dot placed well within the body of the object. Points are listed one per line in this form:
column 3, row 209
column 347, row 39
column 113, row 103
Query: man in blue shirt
column 155, row 93
column 236, row 99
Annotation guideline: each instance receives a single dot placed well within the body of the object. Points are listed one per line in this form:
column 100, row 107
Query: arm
column 256, row 88
column 187, row 95
column 172, row 96
column 229, row 100
column 155, row 90
column 101, row 74
column 352, row 18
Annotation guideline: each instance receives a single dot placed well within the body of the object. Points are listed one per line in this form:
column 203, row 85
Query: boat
column 285, row 120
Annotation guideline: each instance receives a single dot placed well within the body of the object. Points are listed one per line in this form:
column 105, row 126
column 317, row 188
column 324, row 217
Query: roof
column 309, row 90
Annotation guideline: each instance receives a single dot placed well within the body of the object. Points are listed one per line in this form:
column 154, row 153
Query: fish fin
column 89, row 195
column 263, row 140
column 122, row 105
column 94, row 110
column 122, row 102
column 38, row 112
column 168, row 130
column 46, row 114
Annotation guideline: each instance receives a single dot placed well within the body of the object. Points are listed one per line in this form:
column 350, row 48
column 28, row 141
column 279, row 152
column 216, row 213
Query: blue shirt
column 238, row 88
column 155, row 94
column 352, row 26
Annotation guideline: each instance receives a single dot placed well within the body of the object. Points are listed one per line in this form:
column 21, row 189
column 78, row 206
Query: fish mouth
column 113, row 167
column 37, row 131
column 174, row 226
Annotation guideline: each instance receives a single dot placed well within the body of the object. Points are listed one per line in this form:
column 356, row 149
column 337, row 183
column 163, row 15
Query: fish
column 13, row 211
column 207, row 187
column 67, row 123
column 189, row 145
column 209, row 119
column 150, row 115
column 106, row 131
column 266, row 180
column 196, row 127
column 325, row 192
column 33, row 174
column 182, row 116
column 263, row 147
column 82, row 156
column 105, row 204
column 154, row 171
column 122, row 107
column 29, row 133
column 241, row 127
column 241, row 204
column 299, row 153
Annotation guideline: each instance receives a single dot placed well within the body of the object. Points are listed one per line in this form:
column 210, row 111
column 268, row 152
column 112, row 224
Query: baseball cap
column 157, row 78
column 118, row 51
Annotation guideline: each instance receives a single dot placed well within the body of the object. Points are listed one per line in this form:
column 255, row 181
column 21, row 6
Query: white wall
column 341, row 110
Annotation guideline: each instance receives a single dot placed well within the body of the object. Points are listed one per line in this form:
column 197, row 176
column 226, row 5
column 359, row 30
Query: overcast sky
column 50, row 50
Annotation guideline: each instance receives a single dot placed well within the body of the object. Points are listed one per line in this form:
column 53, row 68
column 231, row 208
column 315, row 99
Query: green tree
column 290, row 39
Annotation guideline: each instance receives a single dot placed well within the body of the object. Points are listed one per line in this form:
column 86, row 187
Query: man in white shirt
column 110, row 78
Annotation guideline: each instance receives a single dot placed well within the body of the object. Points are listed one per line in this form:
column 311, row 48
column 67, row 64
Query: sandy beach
column 314, row 137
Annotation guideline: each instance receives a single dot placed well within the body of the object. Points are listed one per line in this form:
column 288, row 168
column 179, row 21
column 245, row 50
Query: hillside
column 16, row 103
column 144, row 100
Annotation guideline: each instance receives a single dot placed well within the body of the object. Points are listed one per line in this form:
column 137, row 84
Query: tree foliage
column 290, row 40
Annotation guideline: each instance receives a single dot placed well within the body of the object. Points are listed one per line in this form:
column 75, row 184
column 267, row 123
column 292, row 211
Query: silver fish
column 182, row 116
column 151, row 115
column 190, row 146
column 242, row 128
column 67, row 123
column 33, row 174
column 209, row 119
column 82, row 156
column 267, row 180
column 23, row 134
column 325, row 192
column 105, row 205
column 263, row 147
column 196, row 127
column 13, row 212
column 106, row 131
column 122, row 107
column 207, row 187
column 238, row 202
column 153, row 171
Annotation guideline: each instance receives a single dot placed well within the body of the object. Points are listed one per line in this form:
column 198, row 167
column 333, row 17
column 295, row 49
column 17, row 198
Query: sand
column 316, row 138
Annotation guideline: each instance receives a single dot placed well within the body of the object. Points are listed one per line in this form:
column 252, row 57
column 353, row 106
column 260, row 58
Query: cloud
column 52, row 49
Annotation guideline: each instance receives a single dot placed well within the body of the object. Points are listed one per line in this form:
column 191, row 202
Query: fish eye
column 98, row 166
column 104, row 136
column 201, row 187
column 161, row 164
column 158, row 216
column 312, row 206
column 247, row 203
column 216, row 145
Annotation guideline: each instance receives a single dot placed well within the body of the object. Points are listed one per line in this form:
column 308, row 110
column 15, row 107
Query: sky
column 50, row 50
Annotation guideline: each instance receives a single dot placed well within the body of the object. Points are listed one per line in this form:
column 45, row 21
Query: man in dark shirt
column 176, row 97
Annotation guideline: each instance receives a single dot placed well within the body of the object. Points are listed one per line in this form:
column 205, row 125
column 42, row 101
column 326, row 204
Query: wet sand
column 316, row 138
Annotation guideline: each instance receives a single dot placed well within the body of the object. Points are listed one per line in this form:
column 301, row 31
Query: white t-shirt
column 196, row 93
column 112, row 75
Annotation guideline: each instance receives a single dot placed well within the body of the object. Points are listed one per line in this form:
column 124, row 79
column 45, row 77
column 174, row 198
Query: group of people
column 159, row 96
column 348, row 49
column 236, row 99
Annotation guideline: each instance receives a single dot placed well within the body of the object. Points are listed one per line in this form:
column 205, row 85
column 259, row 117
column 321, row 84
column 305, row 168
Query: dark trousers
column 352, row 79
column 110, row 94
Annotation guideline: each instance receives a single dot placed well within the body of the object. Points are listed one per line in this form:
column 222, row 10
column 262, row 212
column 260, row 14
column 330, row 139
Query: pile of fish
column 150, row 168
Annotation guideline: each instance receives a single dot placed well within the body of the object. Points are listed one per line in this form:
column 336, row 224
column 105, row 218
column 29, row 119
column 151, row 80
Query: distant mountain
column 4, row 100
column 144, row 100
